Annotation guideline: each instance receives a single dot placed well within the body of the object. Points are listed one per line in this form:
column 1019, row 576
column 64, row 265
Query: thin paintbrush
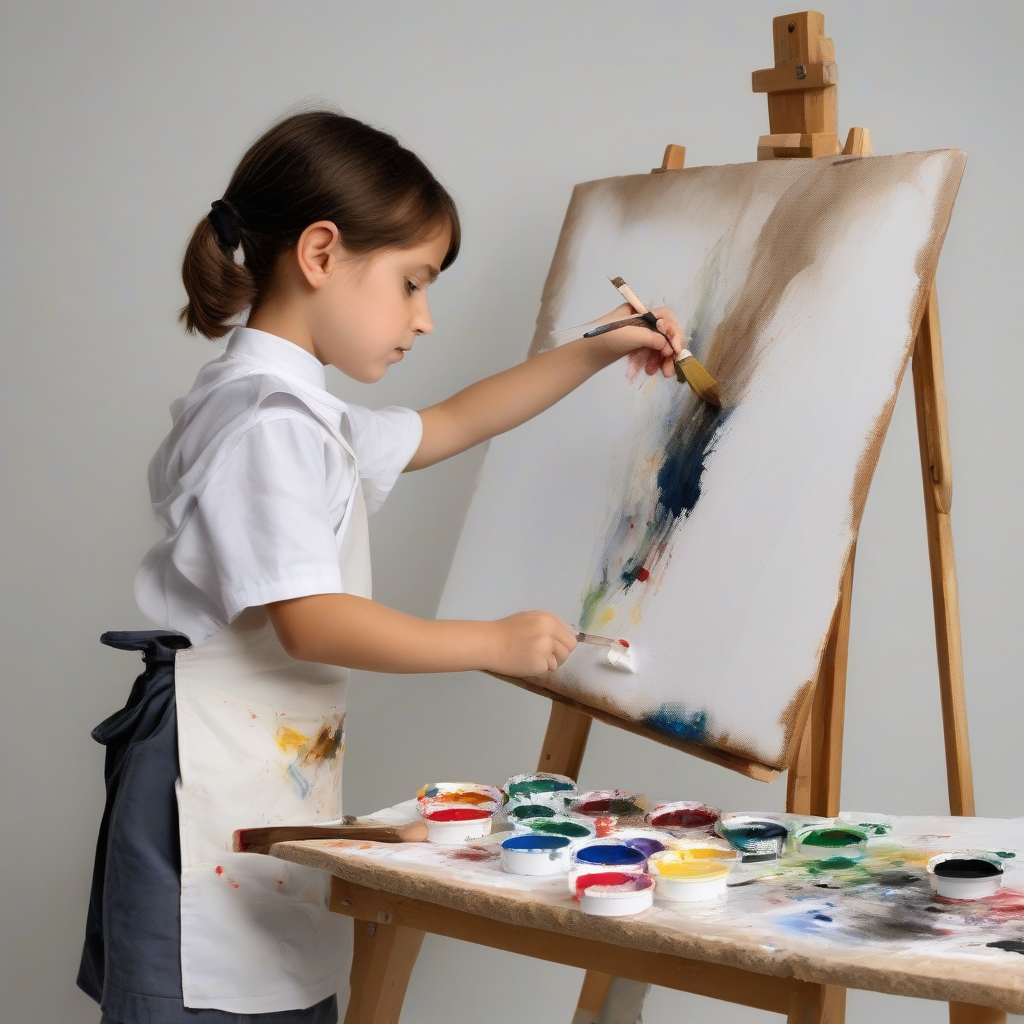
column 648, row 319
column 600, row 641
column 688, row 370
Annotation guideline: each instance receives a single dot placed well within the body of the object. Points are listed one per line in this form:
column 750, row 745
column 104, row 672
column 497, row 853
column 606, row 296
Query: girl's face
column 371, row 309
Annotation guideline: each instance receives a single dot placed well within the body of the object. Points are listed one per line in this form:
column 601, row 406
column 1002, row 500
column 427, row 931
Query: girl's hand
column 529, row 644
column 661, row 346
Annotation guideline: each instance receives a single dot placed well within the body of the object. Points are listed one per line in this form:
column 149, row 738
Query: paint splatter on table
column 872, row 924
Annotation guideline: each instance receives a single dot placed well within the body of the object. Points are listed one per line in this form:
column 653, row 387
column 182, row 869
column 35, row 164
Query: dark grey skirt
column 131, row 962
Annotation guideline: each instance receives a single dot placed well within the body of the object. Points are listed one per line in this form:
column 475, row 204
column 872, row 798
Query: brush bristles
column 690, row 371
column 617, row 281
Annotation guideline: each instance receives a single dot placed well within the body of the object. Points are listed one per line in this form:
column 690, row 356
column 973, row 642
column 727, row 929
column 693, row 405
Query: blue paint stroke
column 674, row 720
column 302, row 784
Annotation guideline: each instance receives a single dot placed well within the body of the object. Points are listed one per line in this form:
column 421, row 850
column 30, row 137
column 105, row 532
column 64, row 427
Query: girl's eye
column 410, row 286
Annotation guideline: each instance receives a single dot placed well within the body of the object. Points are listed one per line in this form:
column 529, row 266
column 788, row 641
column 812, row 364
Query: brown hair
column 318, row 165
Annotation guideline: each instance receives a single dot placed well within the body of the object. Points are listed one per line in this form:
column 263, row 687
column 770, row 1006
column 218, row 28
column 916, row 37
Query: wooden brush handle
column 260, row 840
column 629, row 295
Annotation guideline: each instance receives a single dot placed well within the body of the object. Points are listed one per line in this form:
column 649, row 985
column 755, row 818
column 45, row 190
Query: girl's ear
column 317, row 252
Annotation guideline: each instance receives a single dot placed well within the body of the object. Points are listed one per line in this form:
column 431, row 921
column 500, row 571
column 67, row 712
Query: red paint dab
column 642, row 575
column 625, row 643
column 584, row 882
column 458, row 814
column 251, row 714
column 220, row 870
column 234, row 885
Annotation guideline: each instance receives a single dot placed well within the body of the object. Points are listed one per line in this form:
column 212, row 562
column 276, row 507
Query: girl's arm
column 342, row 629
column 501, row 402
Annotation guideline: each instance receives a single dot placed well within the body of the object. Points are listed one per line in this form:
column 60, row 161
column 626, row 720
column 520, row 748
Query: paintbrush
column 688, row 370
column 600, row 641
column 647, row 319
column 260, row 840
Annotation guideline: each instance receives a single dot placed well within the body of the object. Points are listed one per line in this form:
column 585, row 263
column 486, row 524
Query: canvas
column 713, row 540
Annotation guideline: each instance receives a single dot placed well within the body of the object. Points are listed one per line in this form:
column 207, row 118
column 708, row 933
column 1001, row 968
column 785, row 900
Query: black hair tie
column 226, row 223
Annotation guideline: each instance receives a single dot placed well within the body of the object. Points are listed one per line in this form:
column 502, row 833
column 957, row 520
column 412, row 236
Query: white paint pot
column 532, row 854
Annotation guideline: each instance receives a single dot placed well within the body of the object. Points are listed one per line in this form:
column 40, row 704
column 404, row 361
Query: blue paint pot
column 619, row 855
column 534, row 854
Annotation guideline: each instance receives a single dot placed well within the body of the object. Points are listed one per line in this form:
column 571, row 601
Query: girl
column 330, row 234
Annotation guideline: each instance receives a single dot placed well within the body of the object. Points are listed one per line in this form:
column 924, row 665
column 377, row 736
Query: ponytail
column 218, row 288
column 319, row 165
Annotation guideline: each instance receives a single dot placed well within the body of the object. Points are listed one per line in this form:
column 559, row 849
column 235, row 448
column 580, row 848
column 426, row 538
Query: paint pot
column 646, row 840
column 605, row 856
column 452, row 824
column 554, row 791
column 572, row 827
column 608, row 803
column 471, row 793
column 530, row 854
column 683, row 816
column 615, row 894
column 756, row 837
column 686, row 879
column 966, row 875
column 521, row 813
column 832, row 841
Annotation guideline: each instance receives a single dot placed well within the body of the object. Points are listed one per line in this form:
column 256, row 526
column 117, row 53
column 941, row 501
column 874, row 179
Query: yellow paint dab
column 698, row 869
column 289, row 740
column 606, row 616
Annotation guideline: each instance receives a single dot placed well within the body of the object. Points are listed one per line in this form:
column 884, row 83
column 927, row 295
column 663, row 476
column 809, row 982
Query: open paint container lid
column 540, row 788
column 966, row 874
column 831, row 841
column 682, row 816
column 689, row 879
column 606, row 806
column 533, row 854
column 472, row 793
column 758, row 837
column 646, row 840
column 520, row 814
column 614, row 893
column 573, row 827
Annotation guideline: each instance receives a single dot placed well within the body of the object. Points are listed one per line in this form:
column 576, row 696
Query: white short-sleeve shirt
column 252, row 489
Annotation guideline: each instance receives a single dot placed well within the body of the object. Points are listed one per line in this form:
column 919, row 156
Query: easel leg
column 382, row 961
column 814, row 781
column 565, row 742
column 936, row 465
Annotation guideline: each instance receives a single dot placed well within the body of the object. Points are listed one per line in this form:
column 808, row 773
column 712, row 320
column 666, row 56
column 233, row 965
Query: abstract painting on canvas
column 713, row 540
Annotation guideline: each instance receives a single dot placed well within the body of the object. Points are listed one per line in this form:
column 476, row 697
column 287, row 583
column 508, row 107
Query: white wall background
column 121, row 122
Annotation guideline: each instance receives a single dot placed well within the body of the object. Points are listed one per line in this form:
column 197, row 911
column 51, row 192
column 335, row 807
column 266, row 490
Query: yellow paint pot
column 691, row 875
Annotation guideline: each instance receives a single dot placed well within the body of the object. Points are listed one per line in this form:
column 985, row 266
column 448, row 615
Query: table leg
column 822, row 1004
column 966, row 1013
column 383, row 957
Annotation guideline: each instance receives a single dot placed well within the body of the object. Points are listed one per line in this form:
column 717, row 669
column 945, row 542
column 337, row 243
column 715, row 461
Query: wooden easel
column 803, row 122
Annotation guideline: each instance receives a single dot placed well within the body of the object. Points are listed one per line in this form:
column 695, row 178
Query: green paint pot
column 831, row 841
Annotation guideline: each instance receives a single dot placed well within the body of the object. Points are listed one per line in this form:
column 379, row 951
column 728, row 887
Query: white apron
column 260, row 742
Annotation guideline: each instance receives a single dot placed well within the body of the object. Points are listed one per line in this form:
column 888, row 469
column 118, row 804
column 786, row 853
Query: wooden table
column 773, row 941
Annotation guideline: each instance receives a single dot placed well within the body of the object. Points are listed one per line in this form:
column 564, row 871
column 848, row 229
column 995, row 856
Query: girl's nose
column 423, row 324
